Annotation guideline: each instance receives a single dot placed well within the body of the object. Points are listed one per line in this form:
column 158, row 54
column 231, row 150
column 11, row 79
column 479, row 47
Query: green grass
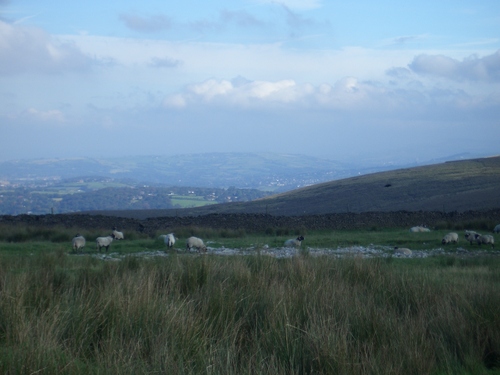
column 189, row 314
column 190, row 201
column 330, row 239
column 21, row 237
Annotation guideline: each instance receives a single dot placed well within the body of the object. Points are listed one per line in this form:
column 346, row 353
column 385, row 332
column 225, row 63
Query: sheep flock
column 472, row 237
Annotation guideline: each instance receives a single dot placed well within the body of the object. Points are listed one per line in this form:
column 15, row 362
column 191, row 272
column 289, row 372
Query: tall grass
column 247, row 315
column 26, row 233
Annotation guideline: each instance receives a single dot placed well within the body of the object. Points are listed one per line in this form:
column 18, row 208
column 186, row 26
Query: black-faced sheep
column 196, row 243
column 103, row 242
column 294, row 242
column 117, row 235
column 497, row 229
column 485, row 239
column 470, row 236
column 450, row 238
column 78, row 242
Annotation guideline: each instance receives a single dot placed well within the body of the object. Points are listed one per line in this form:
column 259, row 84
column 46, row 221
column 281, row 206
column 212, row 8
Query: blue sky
column 385, row 80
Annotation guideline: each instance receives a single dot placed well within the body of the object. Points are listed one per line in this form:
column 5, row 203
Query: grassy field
column 21, row 235
column 205, row 314
column 190, row 201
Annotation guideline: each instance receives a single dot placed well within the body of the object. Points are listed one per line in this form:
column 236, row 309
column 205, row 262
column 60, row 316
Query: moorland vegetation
column 68, row 313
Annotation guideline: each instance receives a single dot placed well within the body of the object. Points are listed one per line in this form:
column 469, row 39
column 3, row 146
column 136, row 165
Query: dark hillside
column 453, row 186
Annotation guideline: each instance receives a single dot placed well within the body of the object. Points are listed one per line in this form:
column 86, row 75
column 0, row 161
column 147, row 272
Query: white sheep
column 486, row 239
column 197, row 243
column 470, row 236
column 419, row 228
column 78, row 242
column 103, row 242
column 402, row 251
column 117, row 235
column 169, row 240
column 294, row 242
column 497, row 229
column 449, row 238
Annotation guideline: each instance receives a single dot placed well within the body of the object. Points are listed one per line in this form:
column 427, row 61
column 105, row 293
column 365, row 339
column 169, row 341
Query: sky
column 385, row 80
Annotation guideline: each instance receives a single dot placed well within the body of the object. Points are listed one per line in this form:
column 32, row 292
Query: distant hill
column 452, row 186
column 264, row 171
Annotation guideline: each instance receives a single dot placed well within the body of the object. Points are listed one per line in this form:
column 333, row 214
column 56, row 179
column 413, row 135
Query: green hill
column 451, row 186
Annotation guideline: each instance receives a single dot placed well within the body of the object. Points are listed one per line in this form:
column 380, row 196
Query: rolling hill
column 452, row 186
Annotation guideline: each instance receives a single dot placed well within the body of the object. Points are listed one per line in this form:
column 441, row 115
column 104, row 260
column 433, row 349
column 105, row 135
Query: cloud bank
column 472, row 68
column 30, row 49
column 346, row 94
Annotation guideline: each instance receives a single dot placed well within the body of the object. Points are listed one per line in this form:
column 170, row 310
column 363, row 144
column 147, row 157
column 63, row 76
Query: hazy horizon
column 386, row 81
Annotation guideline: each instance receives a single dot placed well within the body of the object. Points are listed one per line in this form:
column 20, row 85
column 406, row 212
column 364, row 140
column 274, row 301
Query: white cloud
column 472, row 68
column 262, row 93
column 262, row 90
column 398, row 72
column 240, row 94
column 146, row 24
column 165, row 62
column 346, row 94
column 29, row 49
column 52, row 116
column 175, row 101
column 211, row 88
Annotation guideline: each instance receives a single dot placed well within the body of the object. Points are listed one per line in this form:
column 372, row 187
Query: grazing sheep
column 449, row 238
column 402, row 251
column 78, row 242
column 470, row 236
column 169, row 240
column 497, row 229
column 103, row 242
column 486, row 239
column 197, row 243
column 117, row 235
column 419, row 228
column 294, row 242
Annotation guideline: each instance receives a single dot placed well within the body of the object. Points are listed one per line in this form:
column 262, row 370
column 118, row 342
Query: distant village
column 52, row 195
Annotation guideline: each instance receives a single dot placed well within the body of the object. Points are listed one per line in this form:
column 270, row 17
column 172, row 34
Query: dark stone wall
column 260, row 222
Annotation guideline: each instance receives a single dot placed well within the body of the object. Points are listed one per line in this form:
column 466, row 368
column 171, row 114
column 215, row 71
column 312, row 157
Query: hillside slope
column 452, row 186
